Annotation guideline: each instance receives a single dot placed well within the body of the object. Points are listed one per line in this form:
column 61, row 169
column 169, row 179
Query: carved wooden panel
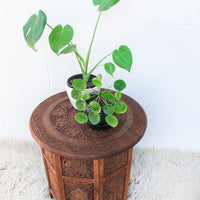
column 114, row 187
column 79, row 190
column 77, row 168
column 50, row 157
column 115, row 162
column 53, row 182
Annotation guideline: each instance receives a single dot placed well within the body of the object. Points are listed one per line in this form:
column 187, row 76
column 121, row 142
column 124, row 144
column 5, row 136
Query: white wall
column 163, row 34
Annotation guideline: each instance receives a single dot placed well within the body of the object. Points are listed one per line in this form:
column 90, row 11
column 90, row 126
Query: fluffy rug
column 157, row 174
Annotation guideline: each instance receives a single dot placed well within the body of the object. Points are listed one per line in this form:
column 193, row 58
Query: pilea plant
column 99, row 105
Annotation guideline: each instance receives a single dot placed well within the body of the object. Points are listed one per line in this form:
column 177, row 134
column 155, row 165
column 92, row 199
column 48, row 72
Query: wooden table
column 82, row 163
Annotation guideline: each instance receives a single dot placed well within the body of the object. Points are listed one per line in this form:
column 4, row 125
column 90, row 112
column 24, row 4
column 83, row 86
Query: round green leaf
column 97, row 82
column 118, row 95
column 80, row 105
column 123, row 57
column 81, row 118
column 95, row 107
column 110, row 68
column 59, row 37
column 86, row 96
column 108, row 109
column 94, row 118
column 111, row 120
column 120, row 107
column 119, row 85
column 79, row 84
column 109, row 96
column 76, row 94
column 34, row 28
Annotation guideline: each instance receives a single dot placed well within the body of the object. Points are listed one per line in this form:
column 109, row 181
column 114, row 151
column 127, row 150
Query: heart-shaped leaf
column 110, row 68
column 97, row 2
column 119, row 85
column 97, row 82
column 68, row 49
column 123, row 57
column 59, row 37
column 79, row 84
column 111, row 120
column 95, row 107
column 81, row 105
column 34, row 28
column 76, row 94
column 105, row 4
column 81, row 118
column 120, row 107
column 94, row 118
column 109, row 96
column 108, row 109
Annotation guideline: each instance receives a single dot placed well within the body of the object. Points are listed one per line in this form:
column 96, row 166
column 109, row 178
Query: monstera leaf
column 104, row 4
column 34, row 28
column 60, row 37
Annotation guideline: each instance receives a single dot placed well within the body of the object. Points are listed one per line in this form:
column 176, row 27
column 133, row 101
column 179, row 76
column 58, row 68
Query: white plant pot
column 69, row 88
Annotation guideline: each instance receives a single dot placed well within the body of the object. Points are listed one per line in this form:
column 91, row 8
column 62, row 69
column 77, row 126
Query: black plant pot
column 102, row 125
column 80, row 76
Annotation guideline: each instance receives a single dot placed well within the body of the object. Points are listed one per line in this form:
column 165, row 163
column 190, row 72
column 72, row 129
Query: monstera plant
column 85, row 86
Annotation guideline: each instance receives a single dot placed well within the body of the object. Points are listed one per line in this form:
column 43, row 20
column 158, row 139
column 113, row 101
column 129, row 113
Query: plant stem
column 97, row 65
column 89, row 50
column 77, row 53
column 49, row 26
column 84, row 78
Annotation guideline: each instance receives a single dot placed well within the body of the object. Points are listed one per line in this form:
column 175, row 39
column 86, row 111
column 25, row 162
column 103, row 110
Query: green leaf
column 34, row 28
column 76, row 94
column 68, row 49
column 94, row 118
column 118, row 95
column 120, row 107
column 106, row 4
column 123, row 57
column 59, row 37
column 119, row 85
column 109, row 96
column 108, row 109
column 79, row 84
column 111, row 120
column 81, row 118
column 95, row 107
column 97, row 82
column 86, row 96
column 110, row 68
column 97, row 2
column 81, row 105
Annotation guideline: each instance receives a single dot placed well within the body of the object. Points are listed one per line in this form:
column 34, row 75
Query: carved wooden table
column 82, row 163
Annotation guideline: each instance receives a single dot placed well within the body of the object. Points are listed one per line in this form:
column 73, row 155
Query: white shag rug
column 157, row 174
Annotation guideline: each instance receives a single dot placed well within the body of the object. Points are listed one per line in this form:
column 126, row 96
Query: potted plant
column 80, row 86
